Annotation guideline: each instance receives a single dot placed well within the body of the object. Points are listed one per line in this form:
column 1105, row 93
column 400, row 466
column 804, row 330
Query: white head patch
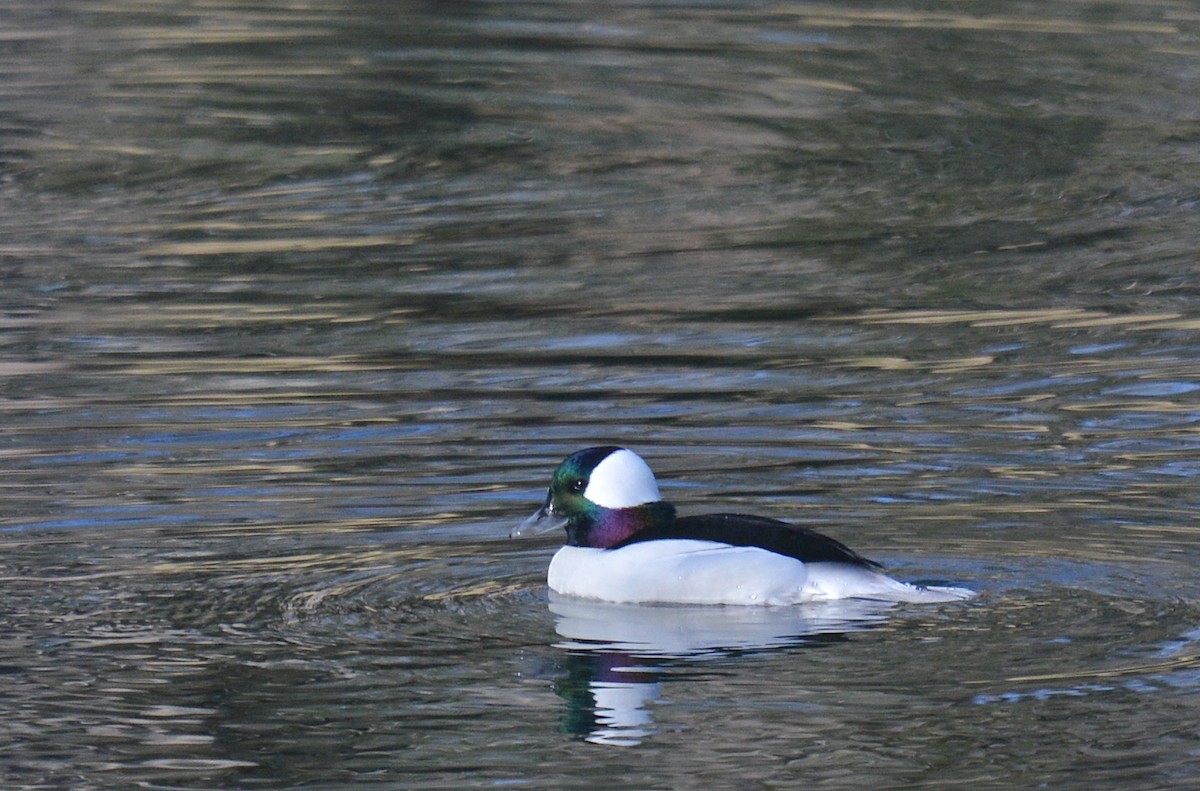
column 622, row 480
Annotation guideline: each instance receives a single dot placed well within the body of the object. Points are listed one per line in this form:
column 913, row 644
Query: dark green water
column 301, row 303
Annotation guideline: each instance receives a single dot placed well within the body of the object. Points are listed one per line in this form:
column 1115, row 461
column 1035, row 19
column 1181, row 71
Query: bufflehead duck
column 624, row 544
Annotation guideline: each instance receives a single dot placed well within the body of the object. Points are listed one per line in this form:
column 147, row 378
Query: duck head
column 601, row 496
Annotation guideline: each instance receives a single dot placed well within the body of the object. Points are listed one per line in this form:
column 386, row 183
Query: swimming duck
column 625, row 544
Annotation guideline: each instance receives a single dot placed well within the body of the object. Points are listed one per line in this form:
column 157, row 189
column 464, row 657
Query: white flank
column 686, row 571
column 682, row 571
column 622, row 480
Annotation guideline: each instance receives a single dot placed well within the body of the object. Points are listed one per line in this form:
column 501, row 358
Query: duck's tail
column 829, row 581
column 932, row 594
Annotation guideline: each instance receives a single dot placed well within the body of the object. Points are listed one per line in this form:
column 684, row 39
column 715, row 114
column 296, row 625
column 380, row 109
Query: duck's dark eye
column 578, row 486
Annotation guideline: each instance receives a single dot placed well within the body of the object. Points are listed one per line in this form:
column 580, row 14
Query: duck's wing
column 741, row 530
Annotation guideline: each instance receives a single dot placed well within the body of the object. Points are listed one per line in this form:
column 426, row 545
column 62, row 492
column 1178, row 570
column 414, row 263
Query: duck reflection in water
column 628, row 588
column 619, row 656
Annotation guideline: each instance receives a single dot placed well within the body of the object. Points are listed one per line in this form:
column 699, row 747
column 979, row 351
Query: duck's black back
column 741, row 530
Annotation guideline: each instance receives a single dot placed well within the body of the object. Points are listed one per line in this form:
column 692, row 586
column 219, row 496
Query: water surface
column 301, row 305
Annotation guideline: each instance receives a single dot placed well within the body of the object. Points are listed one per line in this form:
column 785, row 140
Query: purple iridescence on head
column 608, row 527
